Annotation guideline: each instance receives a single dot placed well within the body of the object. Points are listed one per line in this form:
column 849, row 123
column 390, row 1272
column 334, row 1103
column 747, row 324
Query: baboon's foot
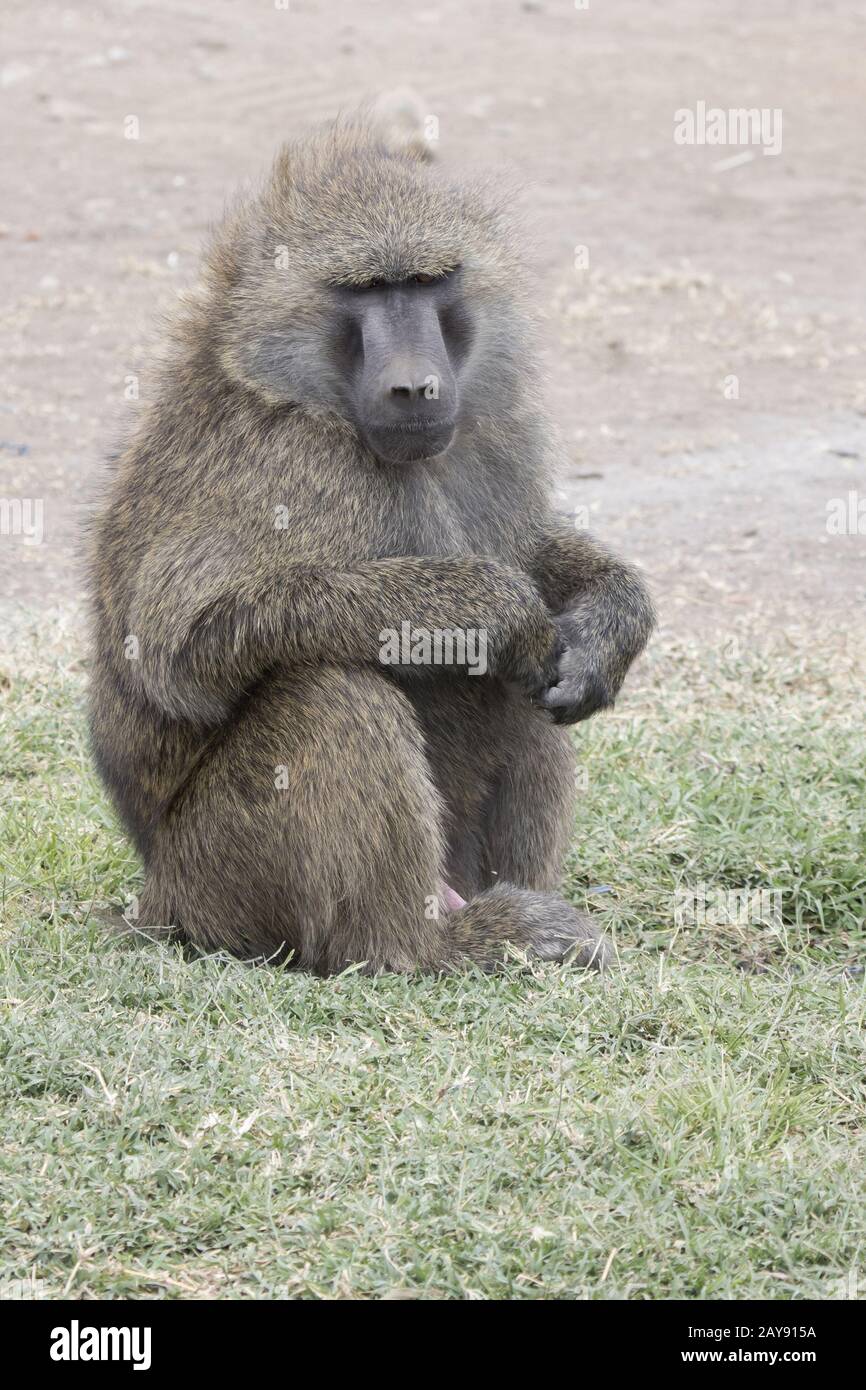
column 543, row 925
column 561, row 932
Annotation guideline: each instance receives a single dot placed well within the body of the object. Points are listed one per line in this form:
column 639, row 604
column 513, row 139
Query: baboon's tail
column 541, row 924
column 401, row 119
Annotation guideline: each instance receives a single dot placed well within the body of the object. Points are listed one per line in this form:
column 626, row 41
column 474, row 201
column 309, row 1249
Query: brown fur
column 257, row 644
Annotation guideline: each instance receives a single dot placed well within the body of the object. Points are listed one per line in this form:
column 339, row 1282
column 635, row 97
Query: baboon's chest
column 434, row 514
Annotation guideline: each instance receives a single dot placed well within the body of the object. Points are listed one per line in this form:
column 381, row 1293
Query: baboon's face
column 399, row 349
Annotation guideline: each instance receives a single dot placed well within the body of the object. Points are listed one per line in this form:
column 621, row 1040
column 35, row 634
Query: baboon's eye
column 422, row 278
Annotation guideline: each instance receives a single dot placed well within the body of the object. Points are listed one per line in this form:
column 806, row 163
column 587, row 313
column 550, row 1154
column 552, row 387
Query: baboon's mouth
column 411, row 440
column 418, row 426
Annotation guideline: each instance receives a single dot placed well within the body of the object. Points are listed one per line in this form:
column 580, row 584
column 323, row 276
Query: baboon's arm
column 604, row 616
column 211, row 617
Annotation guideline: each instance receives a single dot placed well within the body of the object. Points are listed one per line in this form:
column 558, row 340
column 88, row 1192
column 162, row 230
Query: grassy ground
column 692, row 1126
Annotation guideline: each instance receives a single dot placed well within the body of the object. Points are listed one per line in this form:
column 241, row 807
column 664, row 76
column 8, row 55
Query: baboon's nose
column 412, row 384
column 416, row 392
column 407, row 389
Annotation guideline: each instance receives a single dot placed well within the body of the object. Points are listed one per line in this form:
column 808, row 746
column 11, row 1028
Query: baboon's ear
column 399, row 118
column 281, row 173
column 223, row 260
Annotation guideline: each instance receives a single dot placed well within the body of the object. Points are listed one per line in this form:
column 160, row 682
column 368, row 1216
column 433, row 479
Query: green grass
column 692, row 1126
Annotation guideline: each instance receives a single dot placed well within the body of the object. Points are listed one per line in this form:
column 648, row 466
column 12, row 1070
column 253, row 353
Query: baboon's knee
column 315, row 829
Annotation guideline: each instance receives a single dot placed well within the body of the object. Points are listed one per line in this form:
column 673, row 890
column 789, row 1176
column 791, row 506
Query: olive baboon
column 347, row 440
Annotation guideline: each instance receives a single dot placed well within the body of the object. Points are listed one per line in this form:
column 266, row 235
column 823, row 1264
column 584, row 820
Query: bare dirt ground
column 697, row 268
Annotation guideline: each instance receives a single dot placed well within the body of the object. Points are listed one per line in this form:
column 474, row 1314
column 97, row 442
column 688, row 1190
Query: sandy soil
column 696, row 273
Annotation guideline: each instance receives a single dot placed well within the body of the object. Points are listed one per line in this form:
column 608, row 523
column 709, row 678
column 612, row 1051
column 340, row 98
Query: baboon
column 347, row 439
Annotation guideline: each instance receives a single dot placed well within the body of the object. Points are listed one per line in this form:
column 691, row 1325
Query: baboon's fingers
column 575, row 699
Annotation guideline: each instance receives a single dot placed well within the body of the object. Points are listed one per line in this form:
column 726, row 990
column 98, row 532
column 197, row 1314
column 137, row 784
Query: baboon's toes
column 564, row 934
column 593, row 952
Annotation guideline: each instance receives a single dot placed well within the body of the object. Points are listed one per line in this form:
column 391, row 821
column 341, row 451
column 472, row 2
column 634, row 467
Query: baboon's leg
column 315, row 826
column 463, row 748
column 506, row 775
column 528, row 822
column 529, row 817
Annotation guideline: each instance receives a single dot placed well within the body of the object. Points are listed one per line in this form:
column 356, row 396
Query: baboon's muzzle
column 407, row 393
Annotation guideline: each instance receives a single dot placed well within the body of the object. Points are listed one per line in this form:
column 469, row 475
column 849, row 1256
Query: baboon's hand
column 522, row 643
column 588, row 675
